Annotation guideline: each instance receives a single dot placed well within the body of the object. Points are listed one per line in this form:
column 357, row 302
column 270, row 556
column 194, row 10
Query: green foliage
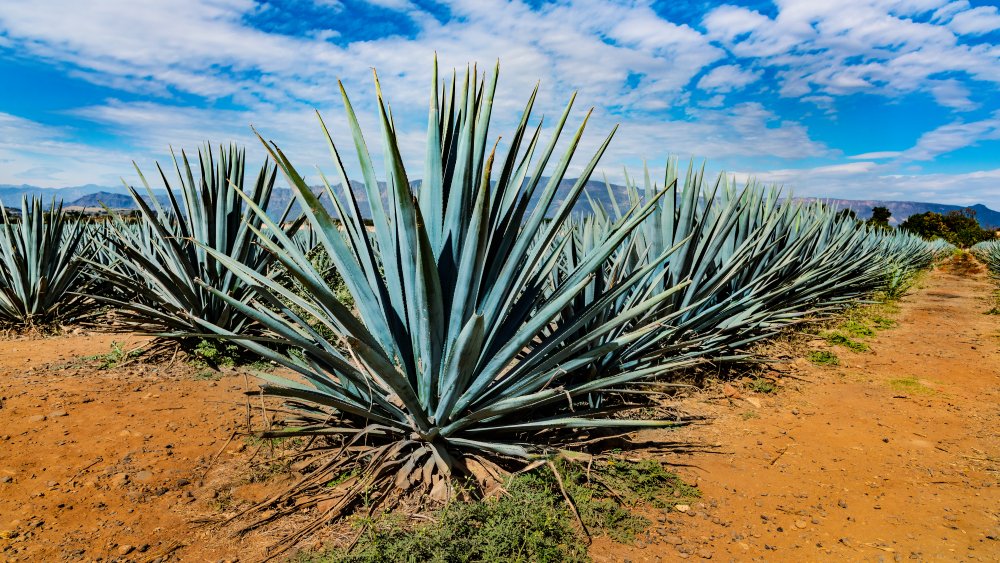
column 216, row 353
column 527, row 524
column 762, row 385
column 839, row 339
column 530, row 522
column 824, row 358
column 880, row 218
column 857, row 329
column 117, row 356
column 957, row 227
column 882, row 323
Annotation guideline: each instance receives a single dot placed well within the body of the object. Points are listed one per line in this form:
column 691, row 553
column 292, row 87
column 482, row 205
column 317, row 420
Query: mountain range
column 92, row 197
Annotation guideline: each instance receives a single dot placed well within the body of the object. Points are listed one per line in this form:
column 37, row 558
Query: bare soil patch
column 109, row 464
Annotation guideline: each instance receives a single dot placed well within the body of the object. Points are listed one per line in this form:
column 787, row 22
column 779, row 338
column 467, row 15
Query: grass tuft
column 911, row 385
column 839, row 339
column 824, row 358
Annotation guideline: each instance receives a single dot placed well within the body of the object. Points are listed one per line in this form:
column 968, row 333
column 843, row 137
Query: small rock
column 37, row 418
column 120, row 479
column 143, row 476
column 730, row 391
column 183, row 482
column 704, row 554
column 673, row 540
column 6, row 479
column 886, row 440
column 800, row 524
column 681, row 507
column 58, row 414
column 125, row 549
column 842, row 503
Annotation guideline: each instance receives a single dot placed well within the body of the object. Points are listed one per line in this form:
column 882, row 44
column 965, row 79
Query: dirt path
column 893, row 455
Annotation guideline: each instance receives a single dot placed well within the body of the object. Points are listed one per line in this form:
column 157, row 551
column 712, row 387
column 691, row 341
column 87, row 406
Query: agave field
column 477, row 322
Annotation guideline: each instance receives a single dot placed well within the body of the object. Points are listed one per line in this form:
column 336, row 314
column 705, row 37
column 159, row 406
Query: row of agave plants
column 493, row 323
column 989, row 253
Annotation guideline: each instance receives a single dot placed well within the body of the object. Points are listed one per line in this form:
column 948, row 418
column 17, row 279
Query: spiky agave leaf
column 41, row 265
column 462, row 354
column 155, row 272
column 989, row 253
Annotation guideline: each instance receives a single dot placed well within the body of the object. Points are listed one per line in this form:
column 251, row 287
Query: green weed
column 824, row 358
column 839, row 339
column 761, row 385
column 532, row 522
column 215, row 354
column 117, row 356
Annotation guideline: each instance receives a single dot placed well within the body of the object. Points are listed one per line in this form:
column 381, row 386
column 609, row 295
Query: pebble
column 143, row 476
column 58, row 414
column 704, row 554
column 120, row 479
column 800, row 524
column 125, row 549
column 37, row 418
column 6, row 479
column 681, row 507
column 842, row 503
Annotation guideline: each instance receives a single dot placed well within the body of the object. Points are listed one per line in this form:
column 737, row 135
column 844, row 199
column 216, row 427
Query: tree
column 846, row 214
column 880, row 217
column 958, row 227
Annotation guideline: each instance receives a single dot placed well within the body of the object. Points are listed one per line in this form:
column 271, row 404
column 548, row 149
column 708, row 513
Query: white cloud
column 727, row 78
column 954, row 136
column 878, row 155
column 872, row 46
column 976, row 21
column 952, row 94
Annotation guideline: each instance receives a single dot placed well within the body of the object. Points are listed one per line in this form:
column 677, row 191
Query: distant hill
column 91, row 196
column 902, row 209
column 11, row 195
column 112, row 200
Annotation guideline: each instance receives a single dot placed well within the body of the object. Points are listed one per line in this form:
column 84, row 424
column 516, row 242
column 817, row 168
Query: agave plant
column 462, row 357
column 989, row 253
column 40, row 265
column 159, row 277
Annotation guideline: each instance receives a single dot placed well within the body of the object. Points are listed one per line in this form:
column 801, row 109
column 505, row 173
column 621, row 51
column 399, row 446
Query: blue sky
column 876, row 99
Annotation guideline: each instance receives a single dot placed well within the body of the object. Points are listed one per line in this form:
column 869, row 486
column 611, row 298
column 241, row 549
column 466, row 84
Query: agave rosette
column 461, row 355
